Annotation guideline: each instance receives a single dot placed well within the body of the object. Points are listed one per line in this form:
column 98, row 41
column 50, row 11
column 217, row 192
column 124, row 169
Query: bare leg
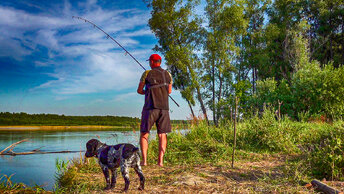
column 144, row 147
column 162, row 148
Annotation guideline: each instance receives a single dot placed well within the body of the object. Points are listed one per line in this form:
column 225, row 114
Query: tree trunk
column 204, row 110
column 199, row 96
column 219, row 97
column 213, row 65
column 342, row 38
column 214, row 109
column 192, row 112
column 324, row 188
column 234, row 139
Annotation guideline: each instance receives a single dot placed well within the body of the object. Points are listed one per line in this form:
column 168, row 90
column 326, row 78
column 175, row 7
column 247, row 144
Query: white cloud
column 13, row 48
column 19, row 19
column 125, row 97
column 83, row 60
column 106, row 72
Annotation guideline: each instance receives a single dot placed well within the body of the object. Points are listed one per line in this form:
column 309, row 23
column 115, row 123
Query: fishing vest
column 156, row 91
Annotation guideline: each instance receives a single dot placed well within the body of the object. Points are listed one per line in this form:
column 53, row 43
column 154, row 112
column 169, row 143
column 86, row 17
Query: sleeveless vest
column 156, row 91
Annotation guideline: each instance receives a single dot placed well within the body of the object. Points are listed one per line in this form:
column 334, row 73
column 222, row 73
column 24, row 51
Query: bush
column 201, row 144
column 312, row 91
column 319, row 145
column 326, row 158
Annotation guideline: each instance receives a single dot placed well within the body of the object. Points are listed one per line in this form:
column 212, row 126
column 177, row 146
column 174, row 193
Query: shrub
column 326, row 158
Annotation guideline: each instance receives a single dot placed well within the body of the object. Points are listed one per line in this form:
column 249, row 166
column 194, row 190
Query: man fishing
column 156, row 85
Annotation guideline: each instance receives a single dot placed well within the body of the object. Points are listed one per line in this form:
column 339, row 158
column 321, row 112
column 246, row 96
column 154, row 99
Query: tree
column 178, row 32
column 226, row 25
column 326, row 18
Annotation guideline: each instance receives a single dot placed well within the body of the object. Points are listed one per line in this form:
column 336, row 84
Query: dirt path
column 264, row 176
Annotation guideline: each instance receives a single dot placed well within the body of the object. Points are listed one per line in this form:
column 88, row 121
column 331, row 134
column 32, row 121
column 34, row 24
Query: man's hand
column 140, row 88
column 169, row 88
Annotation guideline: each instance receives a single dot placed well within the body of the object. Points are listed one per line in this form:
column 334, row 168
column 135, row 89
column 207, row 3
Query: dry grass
column 264, row 175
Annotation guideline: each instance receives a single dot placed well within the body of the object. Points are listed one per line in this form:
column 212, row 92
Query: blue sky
column 51, row 63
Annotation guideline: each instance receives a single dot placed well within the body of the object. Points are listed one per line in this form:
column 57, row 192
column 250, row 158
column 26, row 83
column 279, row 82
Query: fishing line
column 126, row 52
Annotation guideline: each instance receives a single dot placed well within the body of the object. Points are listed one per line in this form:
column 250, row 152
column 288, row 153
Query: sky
column 52, row 63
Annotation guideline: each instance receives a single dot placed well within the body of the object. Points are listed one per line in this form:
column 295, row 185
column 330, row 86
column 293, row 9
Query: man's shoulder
column 144, row 75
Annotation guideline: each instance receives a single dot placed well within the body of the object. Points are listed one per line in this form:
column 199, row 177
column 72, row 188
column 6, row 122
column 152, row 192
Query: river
column 40, row 169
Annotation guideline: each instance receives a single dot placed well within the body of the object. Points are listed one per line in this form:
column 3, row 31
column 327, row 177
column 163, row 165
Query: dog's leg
column 125, row 174
column 138, row 170
column 114, row 177
column 107, row 177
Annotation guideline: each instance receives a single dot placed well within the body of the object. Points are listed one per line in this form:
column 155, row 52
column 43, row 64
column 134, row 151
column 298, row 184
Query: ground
column 265, row 175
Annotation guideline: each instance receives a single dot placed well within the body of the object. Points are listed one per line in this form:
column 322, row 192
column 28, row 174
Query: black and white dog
column 110, row 157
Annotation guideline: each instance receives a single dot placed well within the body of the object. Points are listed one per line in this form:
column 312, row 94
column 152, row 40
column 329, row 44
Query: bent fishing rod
column 126, row 52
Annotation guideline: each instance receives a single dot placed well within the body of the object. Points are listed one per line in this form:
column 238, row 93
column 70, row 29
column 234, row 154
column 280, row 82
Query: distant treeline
column 7, row 118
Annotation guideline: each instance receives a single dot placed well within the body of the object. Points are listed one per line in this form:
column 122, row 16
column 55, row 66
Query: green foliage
column 313, row 91
column 290, row 51
column 201, row 144
column 68, row 174
column 7, row 186
column 319, row 145
column 7, row 118
column 320, row 90
column 326, row 158
column 178, row 32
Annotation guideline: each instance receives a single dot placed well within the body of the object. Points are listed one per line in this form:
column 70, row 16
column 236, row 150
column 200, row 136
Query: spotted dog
column 110, row 157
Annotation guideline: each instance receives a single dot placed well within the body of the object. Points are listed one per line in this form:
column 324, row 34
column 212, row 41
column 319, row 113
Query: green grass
column 270, row 156
column 7, row 186
column 317, row 146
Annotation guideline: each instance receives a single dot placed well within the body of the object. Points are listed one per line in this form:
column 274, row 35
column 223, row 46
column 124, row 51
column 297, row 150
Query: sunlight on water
column 40, row 168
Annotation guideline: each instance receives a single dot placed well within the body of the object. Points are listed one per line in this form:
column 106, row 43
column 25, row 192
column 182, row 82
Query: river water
column 39, row 169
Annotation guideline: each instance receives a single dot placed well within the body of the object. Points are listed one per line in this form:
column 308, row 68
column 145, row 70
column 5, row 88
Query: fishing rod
column 126, row 52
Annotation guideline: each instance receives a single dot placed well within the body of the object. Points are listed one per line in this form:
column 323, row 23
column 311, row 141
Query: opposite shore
column 59, row 127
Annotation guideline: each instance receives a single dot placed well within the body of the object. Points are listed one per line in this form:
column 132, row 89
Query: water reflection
column 40, row 168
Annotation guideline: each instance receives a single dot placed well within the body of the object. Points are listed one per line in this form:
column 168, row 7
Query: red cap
column 154, row 57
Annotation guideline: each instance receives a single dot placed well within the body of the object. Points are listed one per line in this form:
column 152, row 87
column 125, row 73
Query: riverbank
column 252, row 173
column 258, row 173
column 272, row 156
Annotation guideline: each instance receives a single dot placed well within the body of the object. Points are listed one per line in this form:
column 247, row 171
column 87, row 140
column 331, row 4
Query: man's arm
column 169, row 88
column 140, row 88
column 142, row 82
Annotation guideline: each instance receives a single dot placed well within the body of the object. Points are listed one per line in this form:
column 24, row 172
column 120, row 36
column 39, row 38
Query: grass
column 272, row 157
column 7, row 186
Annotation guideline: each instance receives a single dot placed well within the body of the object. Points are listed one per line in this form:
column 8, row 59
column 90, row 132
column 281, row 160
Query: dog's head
column 92, row 147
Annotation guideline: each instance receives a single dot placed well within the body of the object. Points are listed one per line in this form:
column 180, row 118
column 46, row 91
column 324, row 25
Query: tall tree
column 178, row 32
column 226, row 25
column 252, row 51
column 284, row 15
column 326, row 18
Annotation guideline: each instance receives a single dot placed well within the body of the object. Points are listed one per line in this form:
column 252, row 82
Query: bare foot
column 160, row 164
column 143, row 163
